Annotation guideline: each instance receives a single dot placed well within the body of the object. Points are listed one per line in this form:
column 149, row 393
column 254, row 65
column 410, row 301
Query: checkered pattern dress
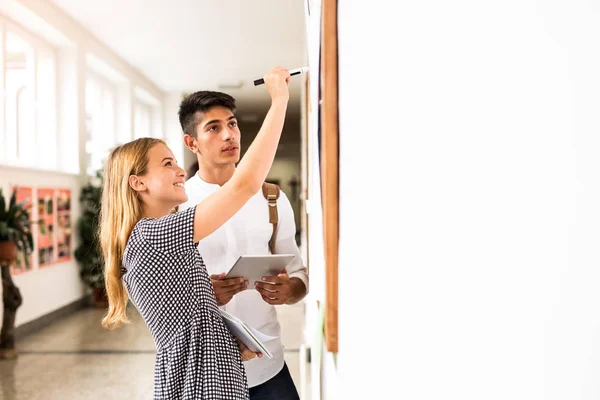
column 197, row 358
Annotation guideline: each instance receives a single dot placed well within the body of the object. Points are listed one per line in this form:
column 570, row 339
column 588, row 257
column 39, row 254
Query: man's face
column 218, row 137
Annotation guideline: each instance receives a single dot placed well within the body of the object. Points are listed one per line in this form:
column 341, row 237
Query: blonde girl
column 151, row 256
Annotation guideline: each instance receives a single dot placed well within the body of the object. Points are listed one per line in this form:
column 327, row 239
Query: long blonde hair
column 121, row 210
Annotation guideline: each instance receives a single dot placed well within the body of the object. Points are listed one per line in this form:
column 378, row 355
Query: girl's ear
column 137, row 183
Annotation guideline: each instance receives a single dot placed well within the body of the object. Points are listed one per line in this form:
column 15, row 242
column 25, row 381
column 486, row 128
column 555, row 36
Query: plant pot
column 8, row 252
column 8, row 354
column 11, row 300
column 99, row 299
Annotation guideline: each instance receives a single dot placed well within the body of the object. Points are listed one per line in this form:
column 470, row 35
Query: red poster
column 46, row 239
column 24, row 194
column 64, row 225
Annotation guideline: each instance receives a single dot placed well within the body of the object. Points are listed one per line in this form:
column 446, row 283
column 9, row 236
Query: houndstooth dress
column 197, row 358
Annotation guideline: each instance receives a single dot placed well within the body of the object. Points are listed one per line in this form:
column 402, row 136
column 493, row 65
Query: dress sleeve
column 172, row 234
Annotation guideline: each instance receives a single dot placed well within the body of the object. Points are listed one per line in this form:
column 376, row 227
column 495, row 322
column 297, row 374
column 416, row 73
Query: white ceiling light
column 231, row 84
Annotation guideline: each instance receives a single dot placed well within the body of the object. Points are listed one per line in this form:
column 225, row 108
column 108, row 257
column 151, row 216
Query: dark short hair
column 201, row 101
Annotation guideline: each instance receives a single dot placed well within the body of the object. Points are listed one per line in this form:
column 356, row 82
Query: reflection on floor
column 75, row 358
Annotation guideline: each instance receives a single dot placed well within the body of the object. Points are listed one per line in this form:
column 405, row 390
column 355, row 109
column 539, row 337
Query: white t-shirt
column 248, row 232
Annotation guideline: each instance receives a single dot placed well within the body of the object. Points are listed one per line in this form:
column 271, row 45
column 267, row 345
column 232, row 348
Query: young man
column 211, row 132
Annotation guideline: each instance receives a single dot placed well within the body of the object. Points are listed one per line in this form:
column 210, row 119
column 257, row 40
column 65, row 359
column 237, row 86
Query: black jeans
column 279, row 387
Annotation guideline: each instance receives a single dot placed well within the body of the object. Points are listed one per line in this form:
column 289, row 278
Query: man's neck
column 216, row 174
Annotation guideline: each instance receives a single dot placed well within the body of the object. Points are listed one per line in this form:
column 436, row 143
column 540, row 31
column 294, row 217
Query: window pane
column 142, row 121
column 156, row 119
column 46, row 108
column 100, row 122
column 20, row 110
column 108, row 114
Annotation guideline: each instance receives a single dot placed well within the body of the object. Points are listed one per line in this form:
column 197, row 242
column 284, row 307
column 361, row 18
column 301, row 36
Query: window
column 147, row 121
column 142, row 122
column 29, row 131
column 46, row 109
column 100, row 105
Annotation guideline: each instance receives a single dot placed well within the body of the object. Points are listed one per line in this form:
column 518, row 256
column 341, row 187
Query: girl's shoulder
column 172, row 233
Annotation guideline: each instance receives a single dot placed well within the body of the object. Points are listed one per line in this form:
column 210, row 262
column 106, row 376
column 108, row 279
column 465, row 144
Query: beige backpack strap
column 271, row 193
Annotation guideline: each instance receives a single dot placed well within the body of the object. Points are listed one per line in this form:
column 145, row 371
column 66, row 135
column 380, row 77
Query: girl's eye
column 169, row 163
column 233, row 124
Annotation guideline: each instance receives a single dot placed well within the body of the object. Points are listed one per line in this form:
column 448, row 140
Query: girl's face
column 162, row 184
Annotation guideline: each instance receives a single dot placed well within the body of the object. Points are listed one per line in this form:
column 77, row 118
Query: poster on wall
column 64, row 231
column 46, row 227
column 24, row 195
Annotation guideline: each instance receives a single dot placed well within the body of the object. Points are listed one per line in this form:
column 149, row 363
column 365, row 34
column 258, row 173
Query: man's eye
column 233, row 124
column 213, row 128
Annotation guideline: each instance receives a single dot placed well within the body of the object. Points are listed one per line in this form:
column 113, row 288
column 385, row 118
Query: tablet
column 254, row 267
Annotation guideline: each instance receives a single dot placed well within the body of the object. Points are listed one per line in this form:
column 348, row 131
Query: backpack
column 271, row 193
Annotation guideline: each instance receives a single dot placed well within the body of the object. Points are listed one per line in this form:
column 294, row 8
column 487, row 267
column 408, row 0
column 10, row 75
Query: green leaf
column 88, row 253
column 3, row 231
column 2, row 204
column 15, row 224
column 13, row 199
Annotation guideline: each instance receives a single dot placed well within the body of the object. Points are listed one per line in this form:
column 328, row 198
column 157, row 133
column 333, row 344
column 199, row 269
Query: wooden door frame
column 330, row 166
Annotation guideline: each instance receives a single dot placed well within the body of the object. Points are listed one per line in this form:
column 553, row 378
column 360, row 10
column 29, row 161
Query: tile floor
column 75, row 358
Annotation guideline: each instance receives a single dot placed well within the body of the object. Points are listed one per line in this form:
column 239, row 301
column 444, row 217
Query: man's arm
column 298, row 291
column 281, row 289
column 291, row 286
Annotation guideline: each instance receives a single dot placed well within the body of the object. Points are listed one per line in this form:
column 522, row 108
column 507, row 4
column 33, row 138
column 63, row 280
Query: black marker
column 297, row 71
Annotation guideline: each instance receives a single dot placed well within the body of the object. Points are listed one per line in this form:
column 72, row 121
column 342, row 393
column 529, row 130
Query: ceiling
column 189, row 45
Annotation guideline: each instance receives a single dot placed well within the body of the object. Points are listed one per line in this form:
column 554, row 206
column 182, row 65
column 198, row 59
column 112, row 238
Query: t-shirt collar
column 201, row 183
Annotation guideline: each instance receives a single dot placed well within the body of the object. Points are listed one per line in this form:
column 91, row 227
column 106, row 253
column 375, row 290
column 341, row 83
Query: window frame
column 104, row 84
column 38, row 45
column 150, row 109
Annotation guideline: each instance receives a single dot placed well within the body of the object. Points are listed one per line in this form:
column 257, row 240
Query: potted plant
column 15, row 238
column 88, row 253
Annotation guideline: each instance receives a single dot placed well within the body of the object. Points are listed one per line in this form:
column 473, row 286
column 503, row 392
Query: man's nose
column 228, row 134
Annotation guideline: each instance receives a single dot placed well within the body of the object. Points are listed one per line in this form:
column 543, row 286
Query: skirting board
column 45, row 320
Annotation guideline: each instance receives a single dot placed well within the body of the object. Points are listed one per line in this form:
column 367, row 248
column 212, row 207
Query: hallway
column 75, row 358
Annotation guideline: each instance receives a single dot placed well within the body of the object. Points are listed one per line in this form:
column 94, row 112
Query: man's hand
column 225, row 289
column 245, row 352
column 275, row 289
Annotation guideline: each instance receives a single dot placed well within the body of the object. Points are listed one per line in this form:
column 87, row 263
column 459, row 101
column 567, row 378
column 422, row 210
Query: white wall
column 49, row 288
column 470, row 200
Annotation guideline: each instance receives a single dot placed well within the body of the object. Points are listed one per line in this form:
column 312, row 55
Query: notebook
column 253, row 339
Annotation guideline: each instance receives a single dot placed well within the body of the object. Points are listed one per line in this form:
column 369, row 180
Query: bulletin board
column 64, row 225
column 24, row 195
column 46, row 243
column 51, row 226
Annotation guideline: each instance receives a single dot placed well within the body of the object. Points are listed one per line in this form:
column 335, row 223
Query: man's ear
column 136, row 183
column 190, row 143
